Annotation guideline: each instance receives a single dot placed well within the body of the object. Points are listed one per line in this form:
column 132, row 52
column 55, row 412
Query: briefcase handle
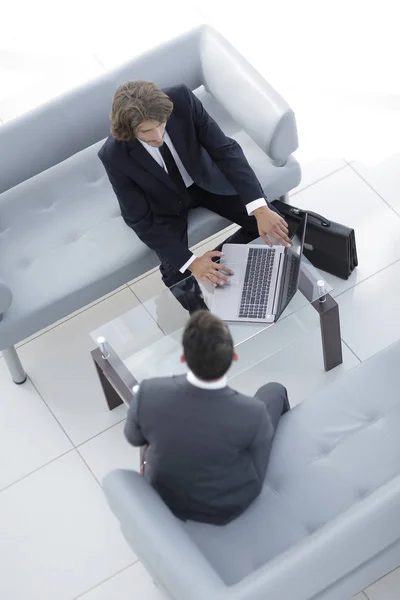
column 324, row 222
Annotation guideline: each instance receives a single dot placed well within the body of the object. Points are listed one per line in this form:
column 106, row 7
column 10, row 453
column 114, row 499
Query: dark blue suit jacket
column 149, row 201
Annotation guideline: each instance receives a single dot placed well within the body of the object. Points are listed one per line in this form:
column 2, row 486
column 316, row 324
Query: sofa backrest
column 73, row 121
column 78, row 119
column 249, row 99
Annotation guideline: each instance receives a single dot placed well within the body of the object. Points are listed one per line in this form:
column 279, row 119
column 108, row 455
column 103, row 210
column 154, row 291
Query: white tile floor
column 58, row 539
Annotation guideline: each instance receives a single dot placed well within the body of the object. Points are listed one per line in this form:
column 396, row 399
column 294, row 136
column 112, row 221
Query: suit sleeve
column 260, row 447
column 137, row 214
column 132, row 430
column 225, row 152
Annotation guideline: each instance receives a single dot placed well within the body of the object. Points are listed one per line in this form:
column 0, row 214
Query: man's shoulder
column 110, row 149
column 179, row 94
column 247, row 402
column 179, row 90
column 155, row 383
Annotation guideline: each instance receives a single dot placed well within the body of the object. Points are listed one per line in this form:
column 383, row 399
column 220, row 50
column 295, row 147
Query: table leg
column 330, row 331
column 115, row 379
column 112, row 398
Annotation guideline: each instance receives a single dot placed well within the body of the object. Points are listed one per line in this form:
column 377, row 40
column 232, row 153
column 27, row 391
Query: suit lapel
column 140, row 155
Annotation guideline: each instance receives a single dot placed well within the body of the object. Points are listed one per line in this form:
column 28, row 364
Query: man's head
column 207, row 346
column 140, row 110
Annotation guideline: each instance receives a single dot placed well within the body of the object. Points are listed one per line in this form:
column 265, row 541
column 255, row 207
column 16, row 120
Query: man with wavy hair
column 166, row 155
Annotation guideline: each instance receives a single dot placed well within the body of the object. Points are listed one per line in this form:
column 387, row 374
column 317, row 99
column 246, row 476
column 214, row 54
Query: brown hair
column 135, row 102
column 207, row 346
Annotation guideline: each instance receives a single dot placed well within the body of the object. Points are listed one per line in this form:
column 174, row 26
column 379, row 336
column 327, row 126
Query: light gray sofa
column 327, row 523
column 63, row 242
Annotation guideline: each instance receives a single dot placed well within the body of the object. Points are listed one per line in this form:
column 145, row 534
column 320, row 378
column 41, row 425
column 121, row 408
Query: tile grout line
column 88, row 468
column 306, row 187
column 36, row 470
column 137, row 298
column 105, row 580
column 374, row 190
column 365, row 594
column 74, row 446
column 51, row 412
column 102, row 492
column 353, row 287
column 379, row 579
column 352, row 351
column 77, row 446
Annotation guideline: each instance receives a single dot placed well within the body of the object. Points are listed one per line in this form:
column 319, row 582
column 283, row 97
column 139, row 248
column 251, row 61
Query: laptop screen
column 291, row 267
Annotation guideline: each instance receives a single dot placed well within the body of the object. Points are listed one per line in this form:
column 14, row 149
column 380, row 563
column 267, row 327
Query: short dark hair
column 207, row 346
column 135, row 102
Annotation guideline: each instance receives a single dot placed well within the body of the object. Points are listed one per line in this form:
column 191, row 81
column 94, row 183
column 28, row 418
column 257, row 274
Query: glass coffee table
column 146, row 341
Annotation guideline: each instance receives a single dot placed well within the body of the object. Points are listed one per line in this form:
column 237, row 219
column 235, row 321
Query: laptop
column 264, row 281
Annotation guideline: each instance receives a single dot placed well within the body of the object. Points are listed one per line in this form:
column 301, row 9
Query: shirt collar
column 207, row 385
column 148, row 147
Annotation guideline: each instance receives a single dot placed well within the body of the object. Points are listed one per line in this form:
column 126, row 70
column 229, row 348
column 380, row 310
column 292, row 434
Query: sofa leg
column 14, row 365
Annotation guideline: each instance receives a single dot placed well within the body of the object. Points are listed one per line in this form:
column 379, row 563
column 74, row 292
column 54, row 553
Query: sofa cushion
column 329, row 454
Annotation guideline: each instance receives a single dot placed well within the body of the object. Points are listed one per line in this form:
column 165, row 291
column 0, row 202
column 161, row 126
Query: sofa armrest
column 159, row 539
column 5, row 298
column 249, row 99
column 328, row 555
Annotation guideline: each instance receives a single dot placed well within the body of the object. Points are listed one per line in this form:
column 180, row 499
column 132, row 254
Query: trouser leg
column 275, row 398
column 183, row 285
column 232, row 208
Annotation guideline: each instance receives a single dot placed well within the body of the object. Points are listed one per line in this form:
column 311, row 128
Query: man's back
column 208, row 448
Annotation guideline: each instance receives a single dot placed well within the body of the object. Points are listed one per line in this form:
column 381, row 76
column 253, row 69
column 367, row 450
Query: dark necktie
column 174, row 172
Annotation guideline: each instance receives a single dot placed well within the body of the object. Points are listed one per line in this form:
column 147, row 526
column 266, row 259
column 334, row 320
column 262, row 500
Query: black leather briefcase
column 328, row 246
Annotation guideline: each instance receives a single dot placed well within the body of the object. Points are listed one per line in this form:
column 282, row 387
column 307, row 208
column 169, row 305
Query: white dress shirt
column 204, row 385
column 207, row 385
column 156, row 154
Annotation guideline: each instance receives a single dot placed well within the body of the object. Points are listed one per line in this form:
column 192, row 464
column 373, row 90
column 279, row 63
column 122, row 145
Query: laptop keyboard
column 292, row 277
column 257, row 283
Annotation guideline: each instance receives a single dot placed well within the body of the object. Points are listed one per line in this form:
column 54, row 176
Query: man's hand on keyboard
column 270, row 223
column 205, row 269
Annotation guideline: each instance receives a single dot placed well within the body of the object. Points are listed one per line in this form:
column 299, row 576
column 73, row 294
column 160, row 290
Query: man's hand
column 204, row 269
column 269, row 222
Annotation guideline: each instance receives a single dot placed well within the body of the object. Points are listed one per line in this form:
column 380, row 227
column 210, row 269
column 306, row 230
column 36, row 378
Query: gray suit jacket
column 208, row 449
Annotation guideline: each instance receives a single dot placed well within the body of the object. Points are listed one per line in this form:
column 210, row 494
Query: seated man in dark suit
column 208, row 445
column 166, row 155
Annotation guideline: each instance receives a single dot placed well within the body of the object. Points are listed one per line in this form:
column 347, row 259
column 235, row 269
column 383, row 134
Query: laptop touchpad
column 238, row 273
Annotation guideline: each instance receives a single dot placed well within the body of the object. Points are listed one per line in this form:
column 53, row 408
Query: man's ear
column 182, row 358
column 235, row 356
